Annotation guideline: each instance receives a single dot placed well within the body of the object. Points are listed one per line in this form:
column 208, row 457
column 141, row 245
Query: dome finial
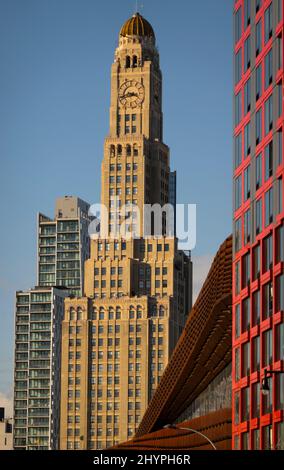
column 137, row 25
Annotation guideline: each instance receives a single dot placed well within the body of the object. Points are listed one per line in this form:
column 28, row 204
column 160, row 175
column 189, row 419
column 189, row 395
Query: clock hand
column 130, row 94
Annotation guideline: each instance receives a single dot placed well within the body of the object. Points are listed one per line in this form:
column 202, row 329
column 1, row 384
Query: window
column 246, row 315
column 112, row 150
column 246, row 270
column 258, row 80
column 280, row 244
column 279, row 18
column 268, row 115
column 256, row 262
column 247, row 96
column 237, row 278
column 238, row 108
column 279, row 53
column 246, row 359
column 258, row 125
column 258, row 216
column 268, row 69
column 258, row 171
column 238, row 25
column 257, row 5
column 268, row 161
column 267, row 437
column 267, row 399
column 279, row 147
column 238, row 234
column 245, row 404
column 267, row 300
column 237, row 407
column 247, row 54
column 279, row 195
column 269, row 207
column 247, row 140
column 267, row 253
column 238, row 66
column 255, row 354
column 279, row 99
column 238, row 192
column 247, row 183
column 280, row 428
column 247, row 13
column 237, row 364
column 255, row 400
column 247, row 227
column 256, row 308
column 256, row 439
column 267, row 348
column 279, row 292
column 237, row 321
column 279, row 382
column 268, row 24
column 258, row 38
column 238, row 150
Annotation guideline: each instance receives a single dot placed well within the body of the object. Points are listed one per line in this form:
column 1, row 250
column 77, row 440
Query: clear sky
column 55, row 58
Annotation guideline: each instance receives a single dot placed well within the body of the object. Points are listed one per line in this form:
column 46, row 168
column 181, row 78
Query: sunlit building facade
column 39, row 314
column 117, row 340
column 64, row 245
column 258, row 256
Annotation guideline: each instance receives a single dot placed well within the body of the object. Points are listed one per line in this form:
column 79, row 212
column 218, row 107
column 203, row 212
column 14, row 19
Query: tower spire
column 137, row 6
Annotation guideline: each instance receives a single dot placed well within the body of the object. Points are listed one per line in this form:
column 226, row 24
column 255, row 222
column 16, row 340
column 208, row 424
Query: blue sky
column 55, row 60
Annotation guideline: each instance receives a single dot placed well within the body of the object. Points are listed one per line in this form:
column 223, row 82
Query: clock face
column 131, row 94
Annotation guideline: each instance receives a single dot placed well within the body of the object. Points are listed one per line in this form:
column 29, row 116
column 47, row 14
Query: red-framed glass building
column 258, row 251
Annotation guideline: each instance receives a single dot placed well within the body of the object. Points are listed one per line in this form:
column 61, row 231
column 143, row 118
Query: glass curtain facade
column 39, row 313
column 258, row 223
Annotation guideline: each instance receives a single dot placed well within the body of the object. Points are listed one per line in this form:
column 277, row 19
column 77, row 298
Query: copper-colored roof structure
column 216, row 426
column 203, row 350
column 137, row 26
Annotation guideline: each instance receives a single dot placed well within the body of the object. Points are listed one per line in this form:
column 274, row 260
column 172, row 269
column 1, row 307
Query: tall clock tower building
column 117, row 339
column 136, row 119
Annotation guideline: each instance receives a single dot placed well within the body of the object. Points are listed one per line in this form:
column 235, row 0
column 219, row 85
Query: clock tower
column 137, row 290
column 136, row 121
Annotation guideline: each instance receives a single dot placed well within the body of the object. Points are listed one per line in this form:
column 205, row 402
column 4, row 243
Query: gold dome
column 137, row 26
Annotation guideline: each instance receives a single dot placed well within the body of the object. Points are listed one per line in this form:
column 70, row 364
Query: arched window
column 127, row 62
column 118, row 313
column 128, row 150
column 79, row 313
column 139, row 311
column 112, row 151
column 131, row 312
column 119, row 149
column 94, row 314
column 135, row 150
column 72, row 313
column 102, row 313
column 135, row 61
column 111, row 313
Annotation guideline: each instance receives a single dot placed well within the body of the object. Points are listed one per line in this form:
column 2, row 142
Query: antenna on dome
column 137, row 6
